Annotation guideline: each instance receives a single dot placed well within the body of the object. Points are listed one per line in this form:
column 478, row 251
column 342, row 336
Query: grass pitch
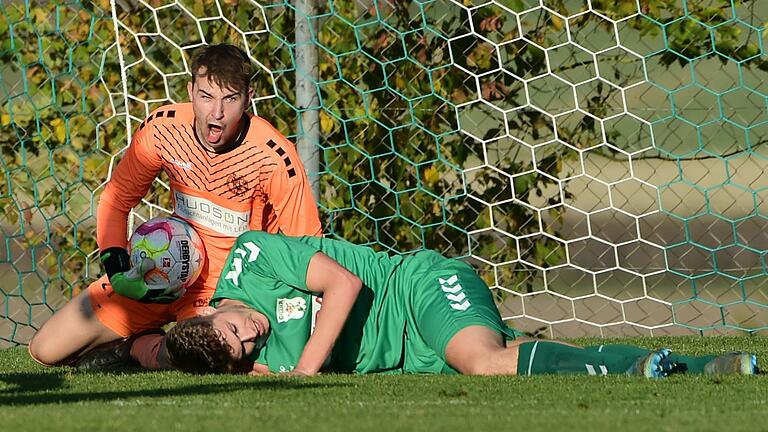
column 34, row 398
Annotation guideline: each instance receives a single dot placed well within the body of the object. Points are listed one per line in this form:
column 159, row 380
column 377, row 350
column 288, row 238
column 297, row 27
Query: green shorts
column 445, row 296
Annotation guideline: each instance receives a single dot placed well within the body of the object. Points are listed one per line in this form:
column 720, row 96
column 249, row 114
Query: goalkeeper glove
column 129, row 281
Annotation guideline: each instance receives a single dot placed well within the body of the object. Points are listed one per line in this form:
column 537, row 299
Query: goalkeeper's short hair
column 226, row 65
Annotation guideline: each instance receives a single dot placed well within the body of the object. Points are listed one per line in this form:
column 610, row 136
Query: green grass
column 33, row 398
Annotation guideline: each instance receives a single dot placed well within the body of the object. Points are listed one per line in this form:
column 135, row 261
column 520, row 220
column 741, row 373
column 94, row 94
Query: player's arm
column 130, row 181
column 290, row 193
column 340, row 289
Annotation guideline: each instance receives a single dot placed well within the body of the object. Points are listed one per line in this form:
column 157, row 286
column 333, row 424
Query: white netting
column 600, row 161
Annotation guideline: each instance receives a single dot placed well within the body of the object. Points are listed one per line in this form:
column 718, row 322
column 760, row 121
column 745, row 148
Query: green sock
column 695, row 364
column 541, row 357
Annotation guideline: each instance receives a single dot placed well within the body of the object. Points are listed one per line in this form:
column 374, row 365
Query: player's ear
column 189, row 89
column 250, row 95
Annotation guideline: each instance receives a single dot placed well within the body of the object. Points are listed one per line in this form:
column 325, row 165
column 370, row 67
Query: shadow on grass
column 35, row 389
column 31, row 382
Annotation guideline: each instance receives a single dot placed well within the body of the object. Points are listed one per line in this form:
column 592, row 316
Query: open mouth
column 214, row 133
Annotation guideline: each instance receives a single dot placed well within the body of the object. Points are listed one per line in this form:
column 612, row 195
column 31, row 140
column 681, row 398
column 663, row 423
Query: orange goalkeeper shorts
column 126, row 316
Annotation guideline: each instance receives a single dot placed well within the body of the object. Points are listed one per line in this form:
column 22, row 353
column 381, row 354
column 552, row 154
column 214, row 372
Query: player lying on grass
column 382, row 314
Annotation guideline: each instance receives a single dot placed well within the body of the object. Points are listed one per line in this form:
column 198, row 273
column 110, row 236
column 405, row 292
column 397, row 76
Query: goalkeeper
column 382, row 314
column 229, row 172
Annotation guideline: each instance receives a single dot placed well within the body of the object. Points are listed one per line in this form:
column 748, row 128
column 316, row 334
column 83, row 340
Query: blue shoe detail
column 734, row 363
column 654, row 365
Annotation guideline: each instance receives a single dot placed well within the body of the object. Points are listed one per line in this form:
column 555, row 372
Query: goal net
column 600, row 162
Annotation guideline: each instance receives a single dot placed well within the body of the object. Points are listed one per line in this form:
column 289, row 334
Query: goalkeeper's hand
column 129, row 281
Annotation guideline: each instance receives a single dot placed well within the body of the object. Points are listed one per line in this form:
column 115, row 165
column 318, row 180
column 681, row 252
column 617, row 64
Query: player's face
column 242, row 328
column 218, row 111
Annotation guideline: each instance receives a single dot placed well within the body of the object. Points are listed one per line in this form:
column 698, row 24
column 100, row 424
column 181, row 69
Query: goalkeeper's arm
column 130, row 181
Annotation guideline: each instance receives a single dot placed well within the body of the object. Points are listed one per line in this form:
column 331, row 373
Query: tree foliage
column 428, row 134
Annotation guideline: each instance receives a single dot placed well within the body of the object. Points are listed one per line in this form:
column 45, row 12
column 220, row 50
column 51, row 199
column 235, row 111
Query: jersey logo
column 237, row 184
column 453, row 292
column 186, row 166
column 203, row 212
column 234, row 274
column 250, row 254
column 290, row 308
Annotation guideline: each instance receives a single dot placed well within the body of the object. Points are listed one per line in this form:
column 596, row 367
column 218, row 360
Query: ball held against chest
column 174, row 246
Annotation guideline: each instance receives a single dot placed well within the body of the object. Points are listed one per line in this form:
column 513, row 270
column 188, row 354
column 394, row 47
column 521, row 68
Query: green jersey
column 268, row 272
column 407, row 311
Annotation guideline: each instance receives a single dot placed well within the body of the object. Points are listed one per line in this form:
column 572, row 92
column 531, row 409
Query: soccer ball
column 175, row 247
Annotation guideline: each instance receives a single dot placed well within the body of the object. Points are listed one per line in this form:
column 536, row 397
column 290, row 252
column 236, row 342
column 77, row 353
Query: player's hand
column 131, row 284
column 301, row 373
column 258, row 369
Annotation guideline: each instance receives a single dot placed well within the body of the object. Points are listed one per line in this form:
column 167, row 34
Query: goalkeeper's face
column 218, row 111
column 242, row 328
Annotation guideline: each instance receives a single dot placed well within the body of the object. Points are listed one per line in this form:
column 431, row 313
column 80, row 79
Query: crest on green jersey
column 290, row 308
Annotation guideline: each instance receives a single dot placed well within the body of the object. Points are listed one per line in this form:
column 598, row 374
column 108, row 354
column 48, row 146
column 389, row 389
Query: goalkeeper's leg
column 71, row 332
column 146, row 345
column 149, row 350
column 95, row 330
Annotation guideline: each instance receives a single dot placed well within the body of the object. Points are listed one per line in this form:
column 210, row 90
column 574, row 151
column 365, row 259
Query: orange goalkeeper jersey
column 257, row 183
